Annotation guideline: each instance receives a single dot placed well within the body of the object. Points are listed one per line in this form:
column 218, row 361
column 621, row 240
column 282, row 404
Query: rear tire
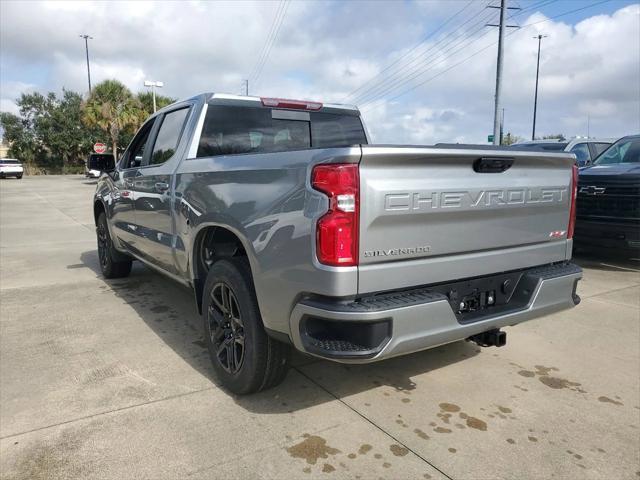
column 244, row 358
column 19, row 176
column 111, row 263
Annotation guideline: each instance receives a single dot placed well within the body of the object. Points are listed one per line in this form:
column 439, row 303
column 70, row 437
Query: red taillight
column 337, row 230
column 574, row 198
column 295, row 104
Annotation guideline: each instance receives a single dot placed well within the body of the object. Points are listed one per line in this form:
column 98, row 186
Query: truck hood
column 631, row 169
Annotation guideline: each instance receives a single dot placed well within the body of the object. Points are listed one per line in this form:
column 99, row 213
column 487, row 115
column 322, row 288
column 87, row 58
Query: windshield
column 623, row 151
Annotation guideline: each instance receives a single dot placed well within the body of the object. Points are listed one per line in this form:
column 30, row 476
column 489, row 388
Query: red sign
column 99, row 148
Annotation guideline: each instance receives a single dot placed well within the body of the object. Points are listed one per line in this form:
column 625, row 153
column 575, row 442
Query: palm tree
column 113, row 109
column 146, row 99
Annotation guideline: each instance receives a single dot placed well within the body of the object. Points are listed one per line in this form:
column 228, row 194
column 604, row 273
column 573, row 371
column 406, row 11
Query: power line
column 477, row 52
column 271, row 42
column 419, row 60
column 391, row 81
column 371, row 107
column 267, row 42
column 412, row 49
column 400, row 76
column 395, row 80
column 435, row 60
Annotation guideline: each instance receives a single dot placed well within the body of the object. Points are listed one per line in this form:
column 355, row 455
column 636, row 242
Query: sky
column 421, row 72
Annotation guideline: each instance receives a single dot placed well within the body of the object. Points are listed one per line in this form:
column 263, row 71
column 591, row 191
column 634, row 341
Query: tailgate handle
column 492, row 164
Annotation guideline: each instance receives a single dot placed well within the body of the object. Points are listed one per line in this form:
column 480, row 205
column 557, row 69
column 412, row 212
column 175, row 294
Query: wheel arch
column 98, row 208
column 226, row 242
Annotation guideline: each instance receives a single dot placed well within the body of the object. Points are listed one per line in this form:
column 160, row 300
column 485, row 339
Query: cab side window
column 168, row 136
column 582, row 153
column 135, row 153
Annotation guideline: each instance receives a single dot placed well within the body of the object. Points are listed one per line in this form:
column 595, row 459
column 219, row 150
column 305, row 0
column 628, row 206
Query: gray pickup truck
column 294, row 232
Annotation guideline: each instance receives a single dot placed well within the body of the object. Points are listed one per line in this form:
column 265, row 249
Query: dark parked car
column 608, row 209
column 98, row 163
column 585, row 149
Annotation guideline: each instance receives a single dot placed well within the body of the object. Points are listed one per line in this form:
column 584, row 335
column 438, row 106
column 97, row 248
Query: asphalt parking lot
column 110, row 379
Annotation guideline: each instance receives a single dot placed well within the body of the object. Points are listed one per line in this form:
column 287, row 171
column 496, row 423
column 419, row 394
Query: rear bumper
column 607, row 235
column 399, row 323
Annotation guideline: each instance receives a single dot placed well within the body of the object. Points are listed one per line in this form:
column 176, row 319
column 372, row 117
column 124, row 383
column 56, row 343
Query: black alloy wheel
column 244, row 358
column 104, row 245
column 226, row 328
column 112, row 263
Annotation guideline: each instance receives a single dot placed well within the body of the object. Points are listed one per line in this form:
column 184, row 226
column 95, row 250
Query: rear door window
column 231, row 130
column 168, row 136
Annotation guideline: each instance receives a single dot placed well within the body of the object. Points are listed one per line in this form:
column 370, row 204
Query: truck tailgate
column 459, row 213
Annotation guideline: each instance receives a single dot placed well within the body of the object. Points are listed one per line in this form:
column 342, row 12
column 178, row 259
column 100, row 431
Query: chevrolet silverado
column 294, row 232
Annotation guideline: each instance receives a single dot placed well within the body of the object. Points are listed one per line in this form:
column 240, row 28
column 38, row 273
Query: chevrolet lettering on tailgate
column 474, row 199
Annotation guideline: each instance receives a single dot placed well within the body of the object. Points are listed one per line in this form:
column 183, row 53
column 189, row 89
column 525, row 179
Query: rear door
column 454, row 207
column 153, row 190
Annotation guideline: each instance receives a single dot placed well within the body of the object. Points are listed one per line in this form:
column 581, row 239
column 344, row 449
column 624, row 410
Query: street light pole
column 86, row 48
column 153, row 85
column 535, row 99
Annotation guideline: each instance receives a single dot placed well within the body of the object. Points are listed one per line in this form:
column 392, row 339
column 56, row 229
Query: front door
column 123, row 213
column 154, row 192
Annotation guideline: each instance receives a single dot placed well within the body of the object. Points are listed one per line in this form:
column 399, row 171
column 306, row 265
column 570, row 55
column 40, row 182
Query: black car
column 98, row 163
column 608, row 206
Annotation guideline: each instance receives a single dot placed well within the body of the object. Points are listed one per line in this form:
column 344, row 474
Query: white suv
column 10, row 167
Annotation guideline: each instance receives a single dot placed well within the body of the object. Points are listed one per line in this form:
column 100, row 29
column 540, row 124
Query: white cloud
column 591, row 68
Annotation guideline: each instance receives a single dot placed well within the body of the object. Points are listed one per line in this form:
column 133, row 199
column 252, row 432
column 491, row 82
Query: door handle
column 162, row 187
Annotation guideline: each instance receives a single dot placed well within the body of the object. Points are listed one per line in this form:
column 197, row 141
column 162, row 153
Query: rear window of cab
column 229, row 130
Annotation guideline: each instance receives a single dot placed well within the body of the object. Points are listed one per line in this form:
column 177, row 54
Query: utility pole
column 535, row 99
column 153, row 86
column 245, row 87
column 86, row 48
column 501, row 28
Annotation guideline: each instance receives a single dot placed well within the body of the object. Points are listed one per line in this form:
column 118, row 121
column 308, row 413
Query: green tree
column 20, row 137
column 55, row 128
column 553, row 136
column 510, row 139
column 146, row 99
column 113, row 109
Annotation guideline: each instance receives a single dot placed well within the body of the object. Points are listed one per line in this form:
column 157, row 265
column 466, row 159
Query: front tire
column 111, row 263
column 19, row 176
column 244, row 358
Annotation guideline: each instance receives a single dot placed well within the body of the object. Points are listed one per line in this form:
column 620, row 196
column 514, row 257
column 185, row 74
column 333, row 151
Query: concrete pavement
column 110, row 379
